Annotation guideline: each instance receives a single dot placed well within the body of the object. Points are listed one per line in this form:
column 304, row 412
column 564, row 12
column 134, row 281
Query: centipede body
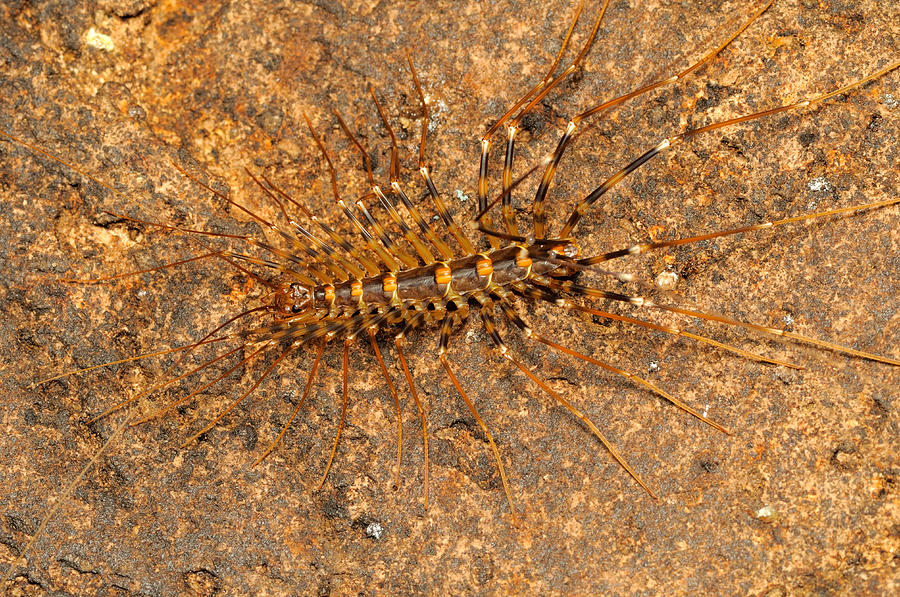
column 570, row 481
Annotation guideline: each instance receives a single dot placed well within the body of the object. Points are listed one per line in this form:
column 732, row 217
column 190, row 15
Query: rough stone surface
column 803, row 498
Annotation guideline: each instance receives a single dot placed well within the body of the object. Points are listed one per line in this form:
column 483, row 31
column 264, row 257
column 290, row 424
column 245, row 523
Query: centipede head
column 292, row 300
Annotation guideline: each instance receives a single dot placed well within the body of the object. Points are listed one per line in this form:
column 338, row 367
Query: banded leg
column 674, row 140
column 635, row 379
column 370, row 266
column 386, row 258
column 490, row 327
column 547, row 84
column 345, row 393
column 540, row 216
column 439, row 204
column 309, row 381
column 536, row 292
column 642, row 302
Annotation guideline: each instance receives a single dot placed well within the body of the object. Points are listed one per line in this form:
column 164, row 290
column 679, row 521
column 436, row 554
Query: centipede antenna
column 321, row 275
column 370, row 266
column 641, row 248
column 393, row 390
column 272, row 196
column 442, row 356
column 540, row 217
column 138, row 272
column 345, row 393
column 309, row 381
column 184, row 399
column 223, row 196
column 159, row 386
column 218, row 254
column 127, row 218
column 398, row 343
column 139, row 357
column 669, row 142
column 490, row 327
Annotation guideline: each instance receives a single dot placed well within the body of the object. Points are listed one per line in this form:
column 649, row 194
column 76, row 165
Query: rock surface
column 802, row 498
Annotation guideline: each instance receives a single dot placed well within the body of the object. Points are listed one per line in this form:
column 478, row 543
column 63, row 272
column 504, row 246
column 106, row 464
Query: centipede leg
column 344, row 400
column 491, row 329
column 234, row 404
column 393, row 390
column 309, row 380
column 637, row 380
column 641, row 302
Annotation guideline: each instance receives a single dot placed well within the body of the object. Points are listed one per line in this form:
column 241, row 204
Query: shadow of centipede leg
column 393, row 390
column 398, row 343
column 442, row 356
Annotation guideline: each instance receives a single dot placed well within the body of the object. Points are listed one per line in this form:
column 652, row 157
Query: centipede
column 575, row 298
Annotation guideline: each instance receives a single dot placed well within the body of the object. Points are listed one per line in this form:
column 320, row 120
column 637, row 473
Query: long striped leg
column 442, row 355
column 674, row 140
column 386, row 258
column 344, row 400
column 637, row 380
column 393, row 390
column 301, row 239
column 309, row 381
column 421, row 249
column 540, row 293
column 424, row 170
column 411, row 237
column 368, row 264
column 540, row 216
column 642, row 248
column 547, row 84
column 487, row 318
column 642, row 302
column 398, row 343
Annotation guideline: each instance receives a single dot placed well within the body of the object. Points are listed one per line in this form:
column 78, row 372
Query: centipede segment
column 327, row 288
